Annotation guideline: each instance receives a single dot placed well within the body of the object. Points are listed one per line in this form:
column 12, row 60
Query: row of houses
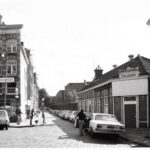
column 18, row 81
column 123, row 91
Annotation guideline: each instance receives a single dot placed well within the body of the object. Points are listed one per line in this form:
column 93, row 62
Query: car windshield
column 2, row 113
column 106, row 118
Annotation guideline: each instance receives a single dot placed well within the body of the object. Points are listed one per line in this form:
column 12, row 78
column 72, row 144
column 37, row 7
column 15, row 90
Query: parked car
column 73, row 115
column 66, row 113
column 105, row 123
column 4, row 120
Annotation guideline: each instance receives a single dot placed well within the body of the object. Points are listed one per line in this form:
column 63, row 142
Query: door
column 130, row 116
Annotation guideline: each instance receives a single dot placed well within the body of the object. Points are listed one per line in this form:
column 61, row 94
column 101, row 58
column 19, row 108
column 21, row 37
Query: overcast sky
column 69, row 38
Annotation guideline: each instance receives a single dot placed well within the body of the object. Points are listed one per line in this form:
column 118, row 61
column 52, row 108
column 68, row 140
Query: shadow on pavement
column 73, row 133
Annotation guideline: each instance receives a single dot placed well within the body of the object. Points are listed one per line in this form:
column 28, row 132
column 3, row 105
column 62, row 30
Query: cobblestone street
column 58, row 134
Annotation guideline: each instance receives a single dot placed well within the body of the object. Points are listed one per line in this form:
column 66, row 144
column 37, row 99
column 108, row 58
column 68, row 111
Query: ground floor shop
column 128, row 99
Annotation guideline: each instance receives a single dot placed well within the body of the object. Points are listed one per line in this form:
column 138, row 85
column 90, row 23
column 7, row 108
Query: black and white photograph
column 74, row 74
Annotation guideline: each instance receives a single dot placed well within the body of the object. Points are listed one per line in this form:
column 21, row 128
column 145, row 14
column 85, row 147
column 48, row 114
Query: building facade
column 15, row 70
column 68, row 99
column 123, row 91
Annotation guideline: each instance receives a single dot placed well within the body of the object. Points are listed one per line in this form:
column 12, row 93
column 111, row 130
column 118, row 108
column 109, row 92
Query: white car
column 4, row 120
column 105, row 123
column 73, row 115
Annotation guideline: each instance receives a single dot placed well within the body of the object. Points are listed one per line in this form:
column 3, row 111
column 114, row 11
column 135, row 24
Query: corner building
column 14, row 64
column 123, row 91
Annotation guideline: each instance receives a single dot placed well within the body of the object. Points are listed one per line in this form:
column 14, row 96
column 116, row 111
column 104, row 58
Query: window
column 106, row 105
column 0, row 68
column 11, row 87
column 11, row 46
column 1, row 49
column 12, row 67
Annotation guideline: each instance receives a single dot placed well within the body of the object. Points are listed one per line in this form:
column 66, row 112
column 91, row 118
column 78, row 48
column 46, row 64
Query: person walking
column 18, row 113
column 31, row 117
column 81, row 120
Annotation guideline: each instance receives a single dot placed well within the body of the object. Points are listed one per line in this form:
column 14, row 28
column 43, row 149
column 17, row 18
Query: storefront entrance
column 130, row 116
column 130, row 112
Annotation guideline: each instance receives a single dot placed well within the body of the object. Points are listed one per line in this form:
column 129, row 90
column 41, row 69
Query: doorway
column 130, row 116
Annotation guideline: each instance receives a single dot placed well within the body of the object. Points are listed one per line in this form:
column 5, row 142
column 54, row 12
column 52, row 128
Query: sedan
column 4, row 120
column 105, row 123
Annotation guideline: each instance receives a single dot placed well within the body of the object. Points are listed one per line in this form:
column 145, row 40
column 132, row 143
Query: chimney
column 85, row 83
column 98, row 73
column 114, row 66
column 130, row 56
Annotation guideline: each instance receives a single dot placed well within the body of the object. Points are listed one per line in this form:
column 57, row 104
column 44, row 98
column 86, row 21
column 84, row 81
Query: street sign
column 2, row 80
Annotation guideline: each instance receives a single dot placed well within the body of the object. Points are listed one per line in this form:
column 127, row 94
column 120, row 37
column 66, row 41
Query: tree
column 42, row 94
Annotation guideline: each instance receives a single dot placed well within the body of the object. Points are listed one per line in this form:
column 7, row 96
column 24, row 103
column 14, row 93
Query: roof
column 141, row 62
column 76, row 86
column 4, row 26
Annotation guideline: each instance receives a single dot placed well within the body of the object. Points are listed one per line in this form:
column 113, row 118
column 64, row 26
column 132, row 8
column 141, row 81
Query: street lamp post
column 43, row 115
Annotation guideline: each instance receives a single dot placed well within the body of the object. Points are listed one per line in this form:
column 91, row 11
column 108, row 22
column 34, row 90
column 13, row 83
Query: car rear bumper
column 108, row 131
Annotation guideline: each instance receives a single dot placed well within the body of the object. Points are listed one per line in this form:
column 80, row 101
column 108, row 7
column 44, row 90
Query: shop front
column 131, row 101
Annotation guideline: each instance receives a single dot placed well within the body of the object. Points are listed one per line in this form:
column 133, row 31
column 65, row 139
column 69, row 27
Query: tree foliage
column 43, row 94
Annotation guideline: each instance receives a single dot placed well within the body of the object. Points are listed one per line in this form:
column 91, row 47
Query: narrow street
column 59, row 134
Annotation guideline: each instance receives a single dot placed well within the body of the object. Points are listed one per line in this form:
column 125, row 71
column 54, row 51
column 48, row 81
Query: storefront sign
column 128, row 74
column 2, row 80
column 130, row 87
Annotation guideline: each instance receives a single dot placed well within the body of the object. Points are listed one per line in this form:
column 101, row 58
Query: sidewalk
column 139, row 136
column 26, row 123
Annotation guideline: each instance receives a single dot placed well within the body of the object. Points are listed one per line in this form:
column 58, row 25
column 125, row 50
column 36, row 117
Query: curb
column 135, row 141
column 27, row 126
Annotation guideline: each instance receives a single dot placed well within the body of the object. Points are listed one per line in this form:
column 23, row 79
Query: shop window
column 111, row 105
column 142, row 108
column 117, row 107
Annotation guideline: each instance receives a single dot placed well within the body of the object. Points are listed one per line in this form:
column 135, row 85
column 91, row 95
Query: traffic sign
column 2, row 80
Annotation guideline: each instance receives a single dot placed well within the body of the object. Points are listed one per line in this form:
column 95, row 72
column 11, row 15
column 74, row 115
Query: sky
column 70, row 38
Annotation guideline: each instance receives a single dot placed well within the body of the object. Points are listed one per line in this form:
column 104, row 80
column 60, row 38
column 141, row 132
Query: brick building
column 15, row 70
column 123, row 91
column 68, row 99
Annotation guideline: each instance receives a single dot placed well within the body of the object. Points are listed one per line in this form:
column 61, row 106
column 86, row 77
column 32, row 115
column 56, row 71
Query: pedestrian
column 18, row 113
column 81, row 120
column 31, row 116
